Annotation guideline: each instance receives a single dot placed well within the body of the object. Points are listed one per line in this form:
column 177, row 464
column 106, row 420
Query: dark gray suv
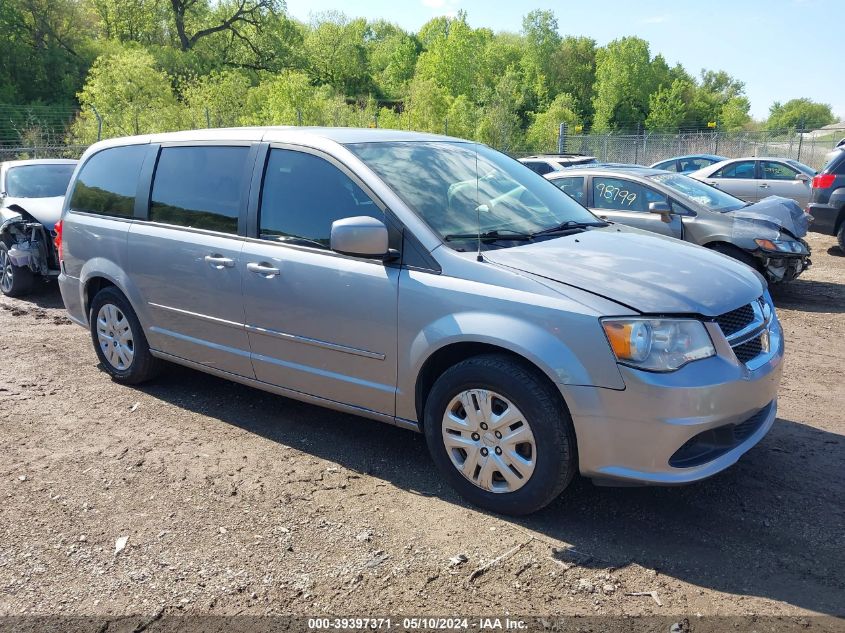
column 827, row 198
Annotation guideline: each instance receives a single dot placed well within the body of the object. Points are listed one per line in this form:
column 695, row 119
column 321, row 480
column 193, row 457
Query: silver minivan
column 427, row 282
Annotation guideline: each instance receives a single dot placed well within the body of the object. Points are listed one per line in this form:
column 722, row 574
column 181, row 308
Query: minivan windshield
column 38, row 181
column 710, row 197
column 463, row 189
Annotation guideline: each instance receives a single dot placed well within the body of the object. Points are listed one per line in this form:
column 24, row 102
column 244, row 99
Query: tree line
column 135, row 66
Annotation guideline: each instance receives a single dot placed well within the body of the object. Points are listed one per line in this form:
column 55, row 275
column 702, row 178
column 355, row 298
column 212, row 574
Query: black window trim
column 145, row 185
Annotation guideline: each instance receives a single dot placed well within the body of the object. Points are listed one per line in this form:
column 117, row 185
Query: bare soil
column 235, row 501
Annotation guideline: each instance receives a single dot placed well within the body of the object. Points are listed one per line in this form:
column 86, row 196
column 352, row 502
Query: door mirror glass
column 361, row 236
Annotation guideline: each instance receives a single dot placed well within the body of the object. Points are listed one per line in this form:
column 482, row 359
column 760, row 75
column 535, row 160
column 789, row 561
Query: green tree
column 667, row 109
column 289, row 98
column 142, row 21
column 336, row 53
column 573, row 71
column 131, row 94
column 624, row 82
column 46, row 50
column 392, row 55
column 217, row 99
column 499, row 124
column 197, row 19
column 428, row 104
column 542, row 134
column 735, row 115
column 540, row 30
column 801, row 113
column 454, row 58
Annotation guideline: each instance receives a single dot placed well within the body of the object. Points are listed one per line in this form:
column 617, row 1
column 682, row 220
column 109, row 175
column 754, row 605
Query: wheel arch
column 453, row 353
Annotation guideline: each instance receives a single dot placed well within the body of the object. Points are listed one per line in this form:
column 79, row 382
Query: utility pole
column 800, row 138
column 99, row 123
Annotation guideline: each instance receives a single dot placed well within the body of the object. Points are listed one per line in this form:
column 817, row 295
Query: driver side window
column 777, row 171
column 303, row 194
column 617, row 194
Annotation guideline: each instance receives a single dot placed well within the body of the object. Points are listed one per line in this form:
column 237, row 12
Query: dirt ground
column 235, row 501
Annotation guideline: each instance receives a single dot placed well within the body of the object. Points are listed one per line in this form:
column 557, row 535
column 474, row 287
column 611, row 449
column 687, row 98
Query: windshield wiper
column 491, row 236
column 569, row 226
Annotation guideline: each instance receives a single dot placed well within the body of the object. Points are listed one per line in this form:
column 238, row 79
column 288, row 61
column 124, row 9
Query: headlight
column 658, row 344
column 783, row 246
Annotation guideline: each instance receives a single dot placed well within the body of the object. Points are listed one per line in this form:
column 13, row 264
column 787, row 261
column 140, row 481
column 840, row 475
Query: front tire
column 15, row 281
column 840, row 236
column 500, row 434
column 119, row 340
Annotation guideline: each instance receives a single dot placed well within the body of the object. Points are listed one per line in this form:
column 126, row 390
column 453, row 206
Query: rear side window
column 199, row 187
column 742, row 169
column 572, row 187
column 107, row 183
column 303, row 194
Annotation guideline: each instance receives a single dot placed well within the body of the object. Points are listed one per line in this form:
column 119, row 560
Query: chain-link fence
column 41, row 132
column 810, row 148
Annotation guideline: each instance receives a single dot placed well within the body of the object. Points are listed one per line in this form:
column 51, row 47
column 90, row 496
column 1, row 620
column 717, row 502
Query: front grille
column 713, row 443
column 733, row 321
column 748, row 350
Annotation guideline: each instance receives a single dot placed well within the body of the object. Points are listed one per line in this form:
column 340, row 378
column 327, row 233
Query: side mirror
column 361, row 236
column 802, row 177
column 661, row 208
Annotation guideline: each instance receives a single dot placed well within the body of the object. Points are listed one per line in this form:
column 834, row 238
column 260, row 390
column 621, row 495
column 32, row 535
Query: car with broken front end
column 31, row 196
column 767, row 235
column 430, row 283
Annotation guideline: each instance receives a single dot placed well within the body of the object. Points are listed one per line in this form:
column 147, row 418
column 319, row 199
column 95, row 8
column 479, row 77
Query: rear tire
column 840, row 236
column 514, row 451
column 736, row 253
column 119, row 340
column 15, row 281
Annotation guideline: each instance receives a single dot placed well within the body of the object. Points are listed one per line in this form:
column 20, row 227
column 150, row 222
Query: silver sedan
column 754, row 179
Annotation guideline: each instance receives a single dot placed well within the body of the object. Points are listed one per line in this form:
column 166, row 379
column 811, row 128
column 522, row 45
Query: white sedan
column 753, row 179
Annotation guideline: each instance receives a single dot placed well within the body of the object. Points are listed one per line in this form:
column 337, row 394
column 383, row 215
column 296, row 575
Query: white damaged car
column 31, row 196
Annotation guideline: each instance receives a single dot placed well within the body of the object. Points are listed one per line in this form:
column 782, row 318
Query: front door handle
column 264, row 269
column 219, row 262
column 764, row 186
column 712, row 183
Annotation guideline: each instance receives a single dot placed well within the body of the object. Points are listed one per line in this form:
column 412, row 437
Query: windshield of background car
column 703, row 194
column 465, row 188
column 38, row 181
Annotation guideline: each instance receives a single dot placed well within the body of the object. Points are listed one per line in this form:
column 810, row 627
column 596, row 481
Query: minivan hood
column 46, row 210
column 643, row 271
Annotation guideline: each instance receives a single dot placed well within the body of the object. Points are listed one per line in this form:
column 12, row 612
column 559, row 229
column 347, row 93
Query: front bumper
column 631, row 436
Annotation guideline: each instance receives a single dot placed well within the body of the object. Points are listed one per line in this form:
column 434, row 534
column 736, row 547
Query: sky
column 781, row 49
